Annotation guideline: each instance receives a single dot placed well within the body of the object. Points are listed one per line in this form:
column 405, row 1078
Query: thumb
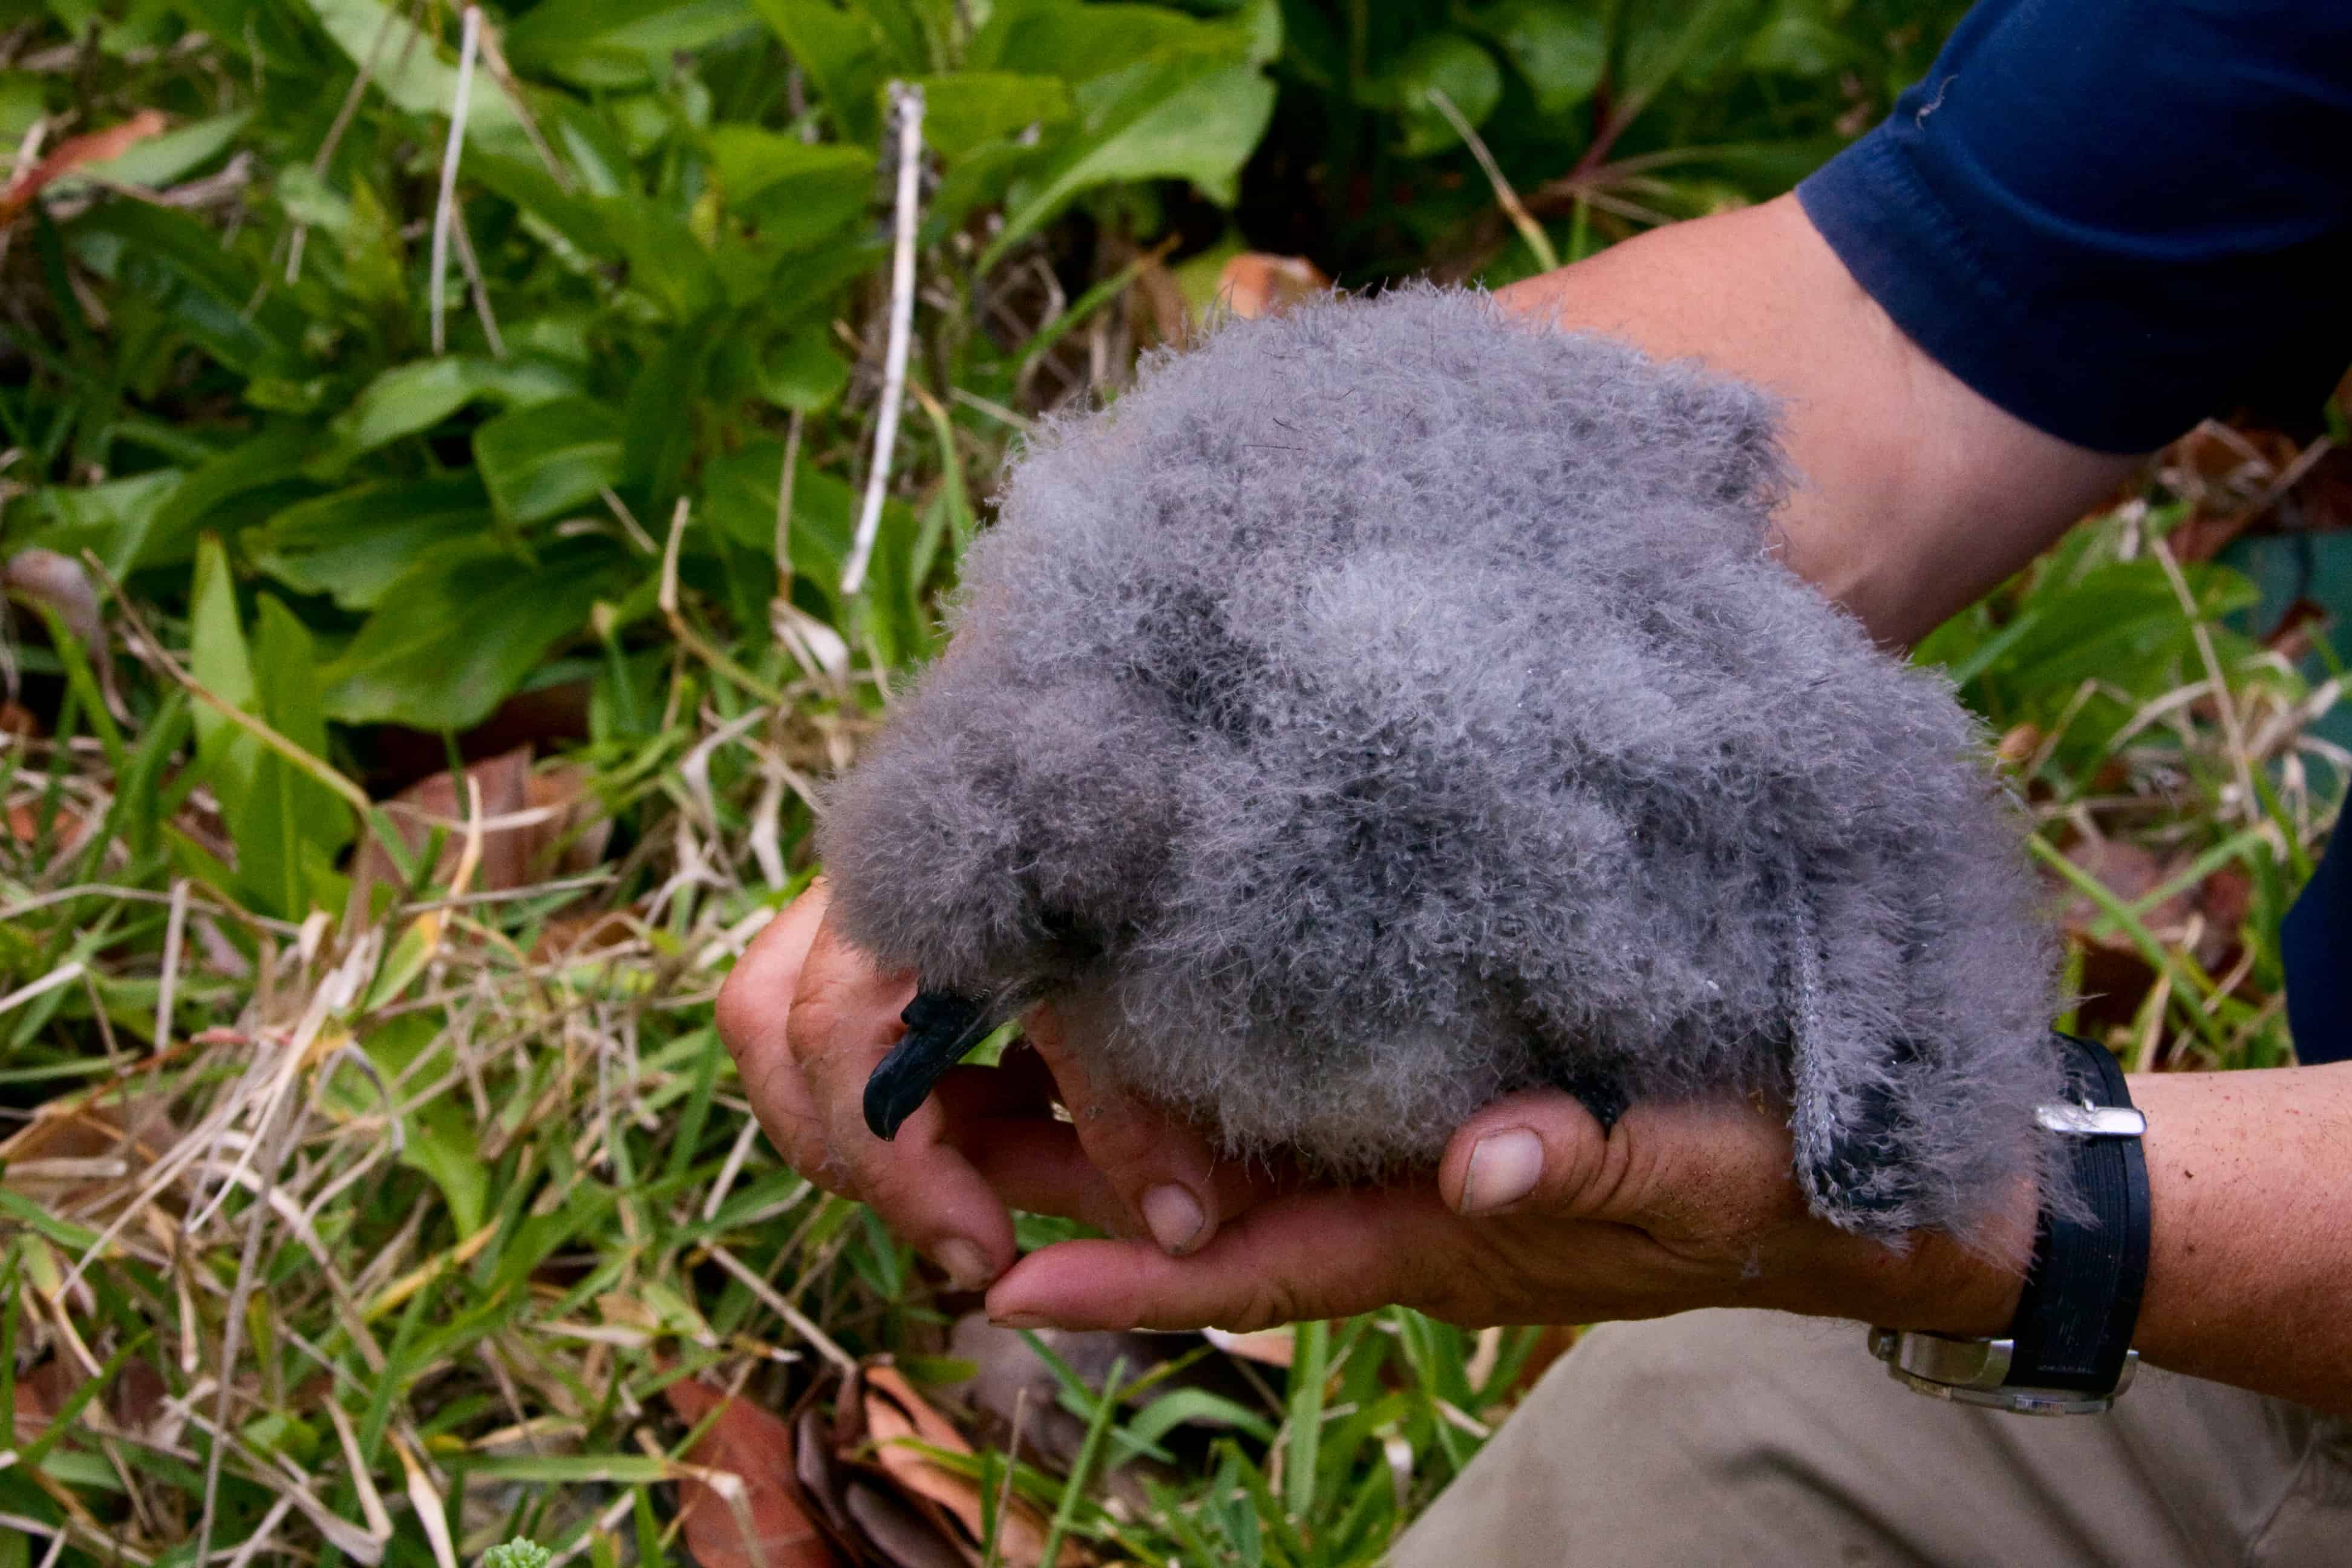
column 1664, row 1162
column 1539, row 1149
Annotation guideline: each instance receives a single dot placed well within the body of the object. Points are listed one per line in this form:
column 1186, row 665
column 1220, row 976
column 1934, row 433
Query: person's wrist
column 1935, row 1283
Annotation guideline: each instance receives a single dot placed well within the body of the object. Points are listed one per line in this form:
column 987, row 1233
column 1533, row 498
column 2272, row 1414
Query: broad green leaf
column 842, row 56
column 791, row 192
column 210, row 293
column 355, row 543
column 460, row 631
column 620, row 43
column 103, row 517
column 291, row 825
column 418, row 75
column 657, row 425
column 445, row 1147
column 804, row 282
column 168, row 534
column 415, row 396
column 749, row 160
column 539, row 461
column 1690, row 40
column 738, row 499
column 801, row 372
column 666, row 263
column 1451, row 64
column 374, row 257
column 1560, row 48
column 161, row 159
column 965, row 111
column 1079, row 42
column 1154, row 121
column 219, row 661
column 285, row 825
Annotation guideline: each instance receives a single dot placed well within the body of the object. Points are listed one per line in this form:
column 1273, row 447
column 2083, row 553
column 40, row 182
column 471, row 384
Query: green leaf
column 110, row 518
column 801, row 372
column 657, row 426
column 620, row 43
column 218, row 660
column 1453, row 65
column 963, row 111
column 415, row 396
column 540, row 461
column 793, row 193
column 292, row 825
column 353, row 545
column 1079, row 42
column 461, row 630
column 178, row 264
column 442, row 1145
column 666, row 263
column 374, row 258
column 749, row 160
column 286, row 825
column 167, row 535
column 1560, row 48
column 411, row 71
column 841, row 53
column 1154, row 121
column 161, row 159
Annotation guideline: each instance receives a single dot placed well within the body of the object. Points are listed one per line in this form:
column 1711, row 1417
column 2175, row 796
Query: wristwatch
column 2068, row 1350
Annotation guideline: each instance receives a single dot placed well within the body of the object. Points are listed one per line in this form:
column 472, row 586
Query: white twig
column 907, row 101
column 175, row 927
column 784, row 506
column 444, row 210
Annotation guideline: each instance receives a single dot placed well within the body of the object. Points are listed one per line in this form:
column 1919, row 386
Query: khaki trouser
column 1752, row 1437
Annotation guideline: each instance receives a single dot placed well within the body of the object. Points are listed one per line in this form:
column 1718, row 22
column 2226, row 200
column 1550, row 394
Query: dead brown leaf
column 773, row 1530
column 72, row 154
column 558, row 825
column 901, row 1423
column 1254, row 284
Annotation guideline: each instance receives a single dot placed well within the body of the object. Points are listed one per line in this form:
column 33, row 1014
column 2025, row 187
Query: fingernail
column 1174, row 1217
column 966, row 1264
column 1021, row 1320
column 1503, row 1168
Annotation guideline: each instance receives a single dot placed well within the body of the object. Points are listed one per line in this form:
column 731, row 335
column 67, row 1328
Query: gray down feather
column 1396, row 704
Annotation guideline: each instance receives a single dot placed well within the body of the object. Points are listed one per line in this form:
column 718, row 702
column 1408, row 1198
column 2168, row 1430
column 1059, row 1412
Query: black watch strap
column 2081, row 1302
column 2069, row 1347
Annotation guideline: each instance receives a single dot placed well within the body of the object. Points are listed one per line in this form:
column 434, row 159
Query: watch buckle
column 1969, row 1371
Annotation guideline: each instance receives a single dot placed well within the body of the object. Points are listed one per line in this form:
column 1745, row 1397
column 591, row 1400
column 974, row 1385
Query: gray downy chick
column 1396, row 704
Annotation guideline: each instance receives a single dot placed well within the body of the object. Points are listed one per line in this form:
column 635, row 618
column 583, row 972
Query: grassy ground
column 374, row 1186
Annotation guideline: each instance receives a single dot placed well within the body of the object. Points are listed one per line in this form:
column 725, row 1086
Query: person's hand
column 1535, row 1216
column 807, row 1016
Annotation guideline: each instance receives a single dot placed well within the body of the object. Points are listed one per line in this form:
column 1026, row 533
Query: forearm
column 2250, row 1279
column 2250, row 1270
column 1915, row 495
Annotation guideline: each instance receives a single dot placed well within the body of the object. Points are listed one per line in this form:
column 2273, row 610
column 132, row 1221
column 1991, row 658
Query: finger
column 1311, row 1255
column 1539, row 1148
column 1160, row 1168
column 1665, row 1161
column 752, row 1009
column 844, row 1020
column 1042, row 1168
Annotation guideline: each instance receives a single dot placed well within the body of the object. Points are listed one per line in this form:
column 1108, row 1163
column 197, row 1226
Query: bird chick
column 1390, row 706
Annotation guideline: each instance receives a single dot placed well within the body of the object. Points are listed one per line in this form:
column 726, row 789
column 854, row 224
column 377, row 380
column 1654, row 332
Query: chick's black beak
column 942, row 1026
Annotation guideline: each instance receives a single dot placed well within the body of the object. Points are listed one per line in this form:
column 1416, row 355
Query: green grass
column 329, row 1212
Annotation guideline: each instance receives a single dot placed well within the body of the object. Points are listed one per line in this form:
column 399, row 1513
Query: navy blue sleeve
column 2114, row 217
